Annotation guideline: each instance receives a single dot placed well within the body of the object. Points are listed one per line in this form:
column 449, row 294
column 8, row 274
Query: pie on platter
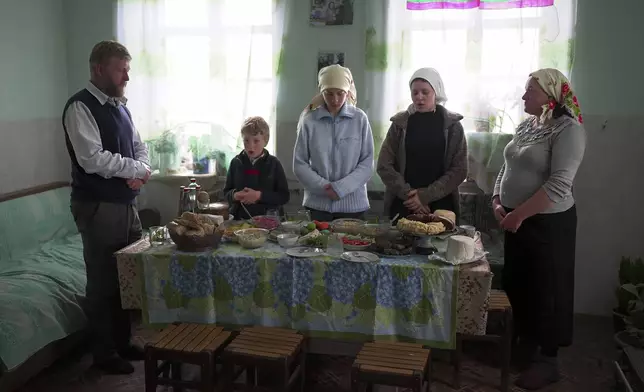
column 427, row 224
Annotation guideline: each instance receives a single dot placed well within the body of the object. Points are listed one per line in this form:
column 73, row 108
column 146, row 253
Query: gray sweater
column 542, row 158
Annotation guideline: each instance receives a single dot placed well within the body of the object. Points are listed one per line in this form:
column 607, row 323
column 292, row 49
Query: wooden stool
column 498, row 302
column 275, row 350
column 184, row 343
column 395, row 364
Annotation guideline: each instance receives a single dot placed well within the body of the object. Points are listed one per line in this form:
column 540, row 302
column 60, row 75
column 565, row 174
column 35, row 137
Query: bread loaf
column 447, row 217
column 446, row 214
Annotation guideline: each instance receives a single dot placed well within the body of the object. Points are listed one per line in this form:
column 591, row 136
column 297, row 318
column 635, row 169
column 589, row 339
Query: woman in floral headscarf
column 533, row 201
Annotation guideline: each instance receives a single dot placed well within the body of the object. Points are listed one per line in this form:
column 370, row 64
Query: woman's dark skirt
column 539, row 277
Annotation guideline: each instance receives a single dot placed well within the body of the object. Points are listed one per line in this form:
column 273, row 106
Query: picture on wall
column 328, row 58
column 331, row 12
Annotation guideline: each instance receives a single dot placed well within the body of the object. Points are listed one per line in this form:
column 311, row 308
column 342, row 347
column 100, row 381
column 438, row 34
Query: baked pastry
column 394, row 247
column 425, row 218
column 447, row 217
column 191, row 224
column 446, row 214
column 419, row 228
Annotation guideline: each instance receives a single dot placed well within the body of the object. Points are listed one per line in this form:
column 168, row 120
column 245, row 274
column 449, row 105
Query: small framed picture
column 331, row 12
column 328, row 58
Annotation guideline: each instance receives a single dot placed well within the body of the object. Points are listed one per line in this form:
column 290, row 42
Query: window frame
column 450, row 23
column 214, row 29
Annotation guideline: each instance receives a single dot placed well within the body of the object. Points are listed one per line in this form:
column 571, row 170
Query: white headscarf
column 431, row 76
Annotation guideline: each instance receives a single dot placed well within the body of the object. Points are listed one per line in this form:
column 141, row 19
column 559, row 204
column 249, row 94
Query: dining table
column 398, row 298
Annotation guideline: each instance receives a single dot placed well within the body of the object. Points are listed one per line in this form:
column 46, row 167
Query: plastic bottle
column 181, row 193
column 186, row 205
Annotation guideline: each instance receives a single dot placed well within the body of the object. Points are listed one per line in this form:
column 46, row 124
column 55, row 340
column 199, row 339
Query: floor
column 586, row 367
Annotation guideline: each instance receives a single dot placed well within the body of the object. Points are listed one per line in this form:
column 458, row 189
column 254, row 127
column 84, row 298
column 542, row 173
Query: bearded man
column 109, row 166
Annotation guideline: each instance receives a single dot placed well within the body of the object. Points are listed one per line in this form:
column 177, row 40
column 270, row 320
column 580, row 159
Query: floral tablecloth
column 404, row 297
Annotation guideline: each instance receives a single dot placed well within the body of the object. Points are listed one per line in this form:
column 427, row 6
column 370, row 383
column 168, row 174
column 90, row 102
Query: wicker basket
column 191, row 243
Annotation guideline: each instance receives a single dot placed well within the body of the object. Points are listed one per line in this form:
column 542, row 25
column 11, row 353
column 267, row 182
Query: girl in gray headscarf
column 423, row 158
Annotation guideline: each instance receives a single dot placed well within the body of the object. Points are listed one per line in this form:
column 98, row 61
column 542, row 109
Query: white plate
column 305, row 251
column 360, row 257
column 440, row 256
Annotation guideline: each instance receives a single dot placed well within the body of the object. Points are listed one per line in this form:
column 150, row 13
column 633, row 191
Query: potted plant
column 214, row 156
column 200, row 149
column 631, row 275
column 633, row 334
column 166, row 147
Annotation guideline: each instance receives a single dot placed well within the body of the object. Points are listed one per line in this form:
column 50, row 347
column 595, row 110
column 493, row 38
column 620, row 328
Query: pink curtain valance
column 482, row 4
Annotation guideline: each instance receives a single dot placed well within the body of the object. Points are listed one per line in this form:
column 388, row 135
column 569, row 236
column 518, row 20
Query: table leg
column 176, row 375
column 207, row 375
column 150, row 372
column 456, row 361
column 506, row 351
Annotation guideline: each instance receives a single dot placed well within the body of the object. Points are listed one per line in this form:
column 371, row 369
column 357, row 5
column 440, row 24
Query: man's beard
column 114, row 91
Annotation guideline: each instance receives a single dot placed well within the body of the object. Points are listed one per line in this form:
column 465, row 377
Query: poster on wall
column 331, row 12
column 328, row 58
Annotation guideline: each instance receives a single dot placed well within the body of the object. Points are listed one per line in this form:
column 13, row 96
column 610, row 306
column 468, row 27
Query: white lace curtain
column 199, row 68
column 484, row 57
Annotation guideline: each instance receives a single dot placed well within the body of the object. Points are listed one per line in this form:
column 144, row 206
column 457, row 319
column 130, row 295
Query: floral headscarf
column 558, row 88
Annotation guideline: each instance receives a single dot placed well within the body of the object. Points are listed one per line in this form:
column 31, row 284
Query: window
column 199, row 68
column 485, row 57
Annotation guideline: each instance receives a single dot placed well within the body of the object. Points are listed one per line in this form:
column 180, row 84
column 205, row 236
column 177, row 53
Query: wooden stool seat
column 275, row 350
column 196, row 344
column 498, row 303
column 395, row 364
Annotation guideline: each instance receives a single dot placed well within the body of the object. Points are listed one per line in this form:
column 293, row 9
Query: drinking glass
column 373, row 219
column 334, row 246
column 158, row 235
column 304, row 215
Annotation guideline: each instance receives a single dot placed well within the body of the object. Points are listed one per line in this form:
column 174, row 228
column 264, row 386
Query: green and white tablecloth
column 402, row 298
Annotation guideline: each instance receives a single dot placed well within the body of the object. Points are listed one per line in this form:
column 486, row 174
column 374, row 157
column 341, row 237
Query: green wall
column 607, row 72
column 33, row 71
column 303, row 42
column 87, row 22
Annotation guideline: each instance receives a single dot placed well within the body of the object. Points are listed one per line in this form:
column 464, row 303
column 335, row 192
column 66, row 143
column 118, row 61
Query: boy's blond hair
column 254, row 126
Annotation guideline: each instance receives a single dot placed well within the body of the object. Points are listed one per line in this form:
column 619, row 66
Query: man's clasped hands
column 137, row 183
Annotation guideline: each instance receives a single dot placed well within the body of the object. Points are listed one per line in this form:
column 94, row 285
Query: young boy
column 255, row 177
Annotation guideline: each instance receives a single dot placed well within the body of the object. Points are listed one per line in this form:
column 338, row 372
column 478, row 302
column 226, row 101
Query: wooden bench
column 179, row 344
column 273, row 350
column 498, row 303
column 395, row 364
